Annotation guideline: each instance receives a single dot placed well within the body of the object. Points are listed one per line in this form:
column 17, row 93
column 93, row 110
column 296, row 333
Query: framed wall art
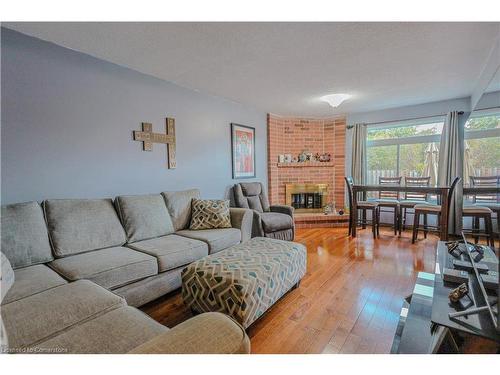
column 243, row 151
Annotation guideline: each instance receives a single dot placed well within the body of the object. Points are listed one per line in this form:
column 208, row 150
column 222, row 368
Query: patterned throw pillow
column 210, row 214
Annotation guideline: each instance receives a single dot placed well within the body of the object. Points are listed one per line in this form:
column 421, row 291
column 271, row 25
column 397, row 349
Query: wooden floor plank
column 348, row 302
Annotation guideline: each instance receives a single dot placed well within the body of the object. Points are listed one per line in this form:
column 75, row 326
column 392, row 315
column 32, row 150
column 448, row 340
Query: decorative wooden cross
column 148, row 137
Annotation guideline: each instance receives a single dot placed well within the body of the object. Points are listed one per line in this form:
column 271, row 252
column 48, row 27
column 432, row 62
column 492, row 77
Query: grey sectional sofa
column 80, row 265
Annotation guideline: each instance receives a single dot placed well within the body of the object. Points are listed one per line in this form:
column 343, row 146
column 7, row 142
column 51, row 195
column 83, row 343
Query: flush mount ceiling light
column 335, row 99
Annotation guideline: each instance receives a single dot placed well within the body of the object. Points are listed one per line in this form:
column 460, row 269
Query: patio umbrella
column 431, row 163
column 468, row 167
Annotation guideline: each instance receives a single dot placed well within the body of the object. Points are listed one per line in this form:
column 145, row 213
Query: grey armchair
column 268, row 221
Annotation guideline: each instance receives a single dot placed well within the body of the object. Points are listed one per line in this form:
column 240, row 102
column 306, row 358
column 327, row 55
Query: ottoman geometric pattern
column 243, row 281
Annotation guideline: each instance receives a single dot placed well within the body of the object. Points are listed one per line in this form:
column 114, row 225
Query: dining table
column 440, row 191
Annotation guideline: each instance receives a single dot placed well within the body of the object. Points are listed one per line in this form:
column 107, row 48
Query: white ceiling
column 284, row 68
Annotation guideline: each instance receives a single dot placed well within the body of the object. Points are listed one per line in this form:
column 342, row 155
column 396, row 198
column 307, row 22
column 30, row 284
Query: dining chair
column 431, row 209
column 476, row 213
column 390, row 200
column 485, row 181
column 484, row 205
column 412, row 198
column 364, row 206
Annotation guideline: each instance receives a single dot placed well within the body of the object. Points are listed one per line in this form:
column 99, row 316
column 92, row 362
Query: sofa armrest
column 209, row 333
column 282, row 209
column 241, row 218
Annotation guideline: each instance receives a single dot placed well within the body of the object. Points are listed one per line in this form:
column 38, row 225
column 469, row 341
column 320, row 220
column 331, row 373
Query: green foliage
column 412, row 158
column 382, row 158
column 485, row 152
column 482, row 123
column 402, row 132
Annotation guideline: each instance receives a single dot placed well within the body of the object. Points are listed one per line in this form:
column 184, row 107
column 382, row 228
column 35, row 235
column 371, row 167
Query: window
column 405, row 148
column 400, row 149
column 482, row 145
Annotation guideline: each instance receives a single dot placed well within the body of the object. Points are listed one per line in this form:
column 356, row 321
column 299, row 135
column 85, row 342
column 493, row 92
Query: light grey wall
column 67, row 122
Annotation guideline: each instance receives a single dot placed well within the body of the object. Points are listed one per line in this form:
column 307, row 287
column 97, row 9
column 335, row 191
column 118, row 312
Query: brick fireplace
column 287, row 135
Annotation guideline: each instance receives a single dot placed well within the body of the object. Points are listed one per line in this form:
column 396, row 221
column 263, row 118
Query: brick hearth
column 294, row 135
column 319, row 220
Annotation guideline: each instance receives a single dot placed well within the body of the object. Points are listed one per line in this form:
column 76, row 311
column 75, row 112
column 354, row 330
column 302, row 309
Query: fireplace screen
column 306, row 197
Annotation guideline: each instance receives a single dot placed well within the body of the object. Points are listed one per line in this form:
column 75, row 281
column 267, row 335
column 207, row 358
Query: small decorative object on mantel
column 326, row 157
column 148, row 138
column 327, row 210
column 341, row 211
column 302, row 157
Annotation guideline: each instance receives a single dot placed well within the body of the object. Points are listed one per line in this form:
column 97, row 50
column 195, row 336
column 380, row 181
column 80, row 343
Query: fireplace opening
column 306, row 197
column 306, row 200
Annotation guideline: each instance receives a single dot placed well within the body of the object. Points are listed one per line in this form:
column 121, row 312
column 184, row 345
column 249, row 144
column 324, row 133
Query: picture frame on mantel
column 243, row 151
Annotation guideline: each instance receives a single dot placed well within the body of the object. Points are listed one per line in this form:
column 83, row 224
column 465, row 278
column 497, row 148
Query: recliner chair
column 274, row 221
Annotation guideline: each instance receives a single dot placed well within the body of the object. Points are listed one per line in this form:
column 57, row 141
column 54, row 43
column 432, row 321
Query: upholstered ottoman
column 243, row 281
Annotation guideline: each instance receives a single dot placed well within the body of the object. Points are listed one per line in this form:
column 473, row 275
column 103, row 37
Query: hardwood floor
column 348, row 302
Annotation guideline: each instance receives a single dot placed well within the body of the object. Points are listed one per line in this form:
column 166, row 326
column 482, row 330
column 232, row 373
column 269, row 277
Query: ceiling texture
column 284, row 68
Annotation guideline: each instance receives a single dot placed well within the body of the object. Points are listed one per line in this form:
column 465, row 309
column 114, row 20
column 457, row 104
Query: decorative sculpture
column 326, row 157
column 148, row 137
column 458, row 293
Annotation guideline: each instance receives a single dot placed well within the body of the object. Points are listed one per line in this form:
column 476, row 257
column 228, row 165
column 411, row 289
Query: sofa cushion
column 150, row 288
column 172, row 251
column 254, row 203
column 109, row 268
column 179, row 206
column 273, row 221
column 240, row 200
column 249, row 190
column 115, row 332
column 24, row 235
column 41, row 316
column 144, row 216
column 32, row 280
column 217, row 239
column 6, row 282
column 80, row 225
column 7, row 277
column 209, row 333
column 210, row 214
